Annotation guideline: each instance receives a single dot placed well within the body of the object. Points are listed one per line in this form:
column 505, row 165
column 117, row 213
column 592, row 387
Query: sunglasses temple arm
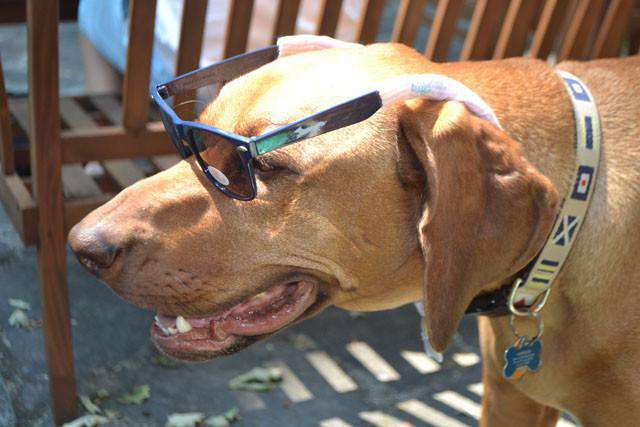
column 225, row 70
column 340, row 116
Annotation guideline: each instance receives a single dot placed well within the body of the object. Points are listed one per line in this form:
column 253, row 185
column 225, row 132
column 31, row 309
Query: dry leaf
column 224, row 420
column 100, row 395
column 217, row 421
column 188, row 419
column 257, row 379
column 137, row 395
column 91, row 407
column 87, row 421
column 18, row 303
column 19, row 319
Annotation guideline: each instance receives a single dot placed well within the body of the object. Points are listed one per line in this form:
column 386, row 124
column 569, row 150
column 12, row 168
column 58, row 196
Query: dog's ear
column 487, row 211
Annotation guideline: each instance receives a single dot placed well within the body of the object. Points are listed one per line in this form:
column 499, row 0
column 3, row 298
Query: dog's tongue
column 261, row 314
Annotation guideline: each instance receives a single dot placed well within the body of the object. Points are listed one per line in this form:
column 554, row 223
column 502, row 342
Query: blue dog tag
column 521, row 357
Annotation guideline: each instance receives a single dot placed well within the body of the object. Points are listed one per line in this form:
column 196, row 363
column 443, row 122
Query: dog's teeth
column 182, row 325
column 168, row 330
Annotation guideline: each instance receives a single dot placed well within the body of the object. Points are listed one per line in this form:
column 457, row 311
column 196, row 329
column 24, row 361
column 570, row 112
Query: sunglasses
column 226, row 158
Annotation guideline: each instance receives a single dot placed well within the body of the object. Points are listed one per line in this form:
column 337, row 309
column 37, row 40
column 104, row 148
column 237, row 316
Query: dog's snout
column 93, row 249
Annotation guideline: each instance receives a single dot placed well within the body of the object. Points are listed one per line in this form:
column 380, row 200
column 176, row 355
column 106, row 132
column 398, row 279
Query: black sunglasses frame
column 342, row 115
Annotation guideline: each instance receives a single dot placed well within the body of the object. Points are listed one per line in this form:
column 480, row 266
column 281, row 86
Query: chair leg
column 7, row 161
column 42, row 22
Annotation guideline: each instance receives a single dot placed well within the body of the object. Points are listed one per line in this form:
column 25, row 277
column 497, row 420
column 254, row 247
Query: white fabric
column 436, row 87
column 291, row 45
column 105, row 24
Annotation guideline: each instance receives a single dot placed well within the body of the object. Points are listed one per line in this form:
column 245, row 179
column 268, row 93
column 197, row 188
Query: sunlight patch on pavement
column 373, row 361
column 421, row 362
column 331, row 372
column 459, row 403
column 429, row 415
column 291, row 385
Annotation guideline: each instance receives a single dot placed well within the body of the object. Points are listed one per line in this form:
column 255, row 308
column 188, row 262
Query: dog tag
column 522, row 357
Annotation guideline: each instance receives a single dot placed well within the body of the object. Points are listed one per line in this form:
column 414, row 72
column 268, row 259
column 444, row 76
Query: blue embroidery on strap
column 588, row 126
column 565, row 231
column 578, row 91
column 583, row 183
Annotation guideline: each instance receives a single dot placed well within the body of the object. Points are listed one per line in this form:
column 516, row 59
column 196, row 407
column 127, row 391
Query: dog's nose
column 92, row 249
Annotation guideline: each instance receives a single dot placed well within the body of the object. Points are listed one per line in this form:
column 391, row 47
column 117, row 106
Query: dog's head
column 423, row 198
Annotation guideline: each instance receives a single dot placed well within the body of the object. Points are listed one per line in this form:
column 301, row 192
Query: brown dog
column 421, row 199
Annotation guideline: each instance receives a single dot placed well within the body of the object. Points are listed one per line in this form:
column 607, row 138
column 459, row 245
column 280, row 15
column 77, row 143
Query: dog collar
column 533, row 284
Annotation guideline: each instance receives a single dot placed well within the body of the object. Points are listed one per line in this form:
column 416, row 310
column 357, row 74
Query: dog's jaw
column 202, row 338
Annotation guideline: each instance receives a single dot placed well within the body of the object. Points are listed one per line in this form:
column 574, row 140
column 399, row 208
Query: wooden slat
column 285, row 18
column 515, row 29
column 14, row 11
column 42, row 46
column 22, row 199
column 480, row 39
column 110, row 107
column 75, row 210
column 613, row 28
column 7, row 158
column 137, row 74
column 238, row 23
column 165, row 162
column 113, row 142
column 194, row 16
column 370, row 21
column 74, row 116
column 76, row 181
column 329, row 16
column 124, row 172
column 576, row 43
column 408, row 20
column 634, row 37
column 19, row 107
column 443, row 29
column 19, row 206
column 191, row 34
column 551, row 19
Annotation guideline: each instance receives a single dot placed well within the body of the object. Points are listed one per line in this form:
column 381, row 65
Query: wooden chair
column 53, row 138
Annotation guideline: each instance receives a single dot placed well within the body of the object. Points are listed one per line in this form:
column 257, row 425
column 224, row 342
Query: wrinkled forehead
column 288, row 89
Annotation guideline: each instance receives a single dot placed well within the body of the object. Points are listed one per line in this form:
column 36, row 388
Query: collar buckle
column 520, row 310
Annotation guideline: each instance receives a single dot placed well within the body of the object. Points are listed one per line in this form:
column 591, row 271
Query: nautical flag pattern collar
column 574, row 208
column 535, row 283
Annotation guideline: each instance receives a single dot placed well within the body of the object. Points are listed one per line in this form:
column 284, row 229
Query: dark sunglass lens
column 223, row 161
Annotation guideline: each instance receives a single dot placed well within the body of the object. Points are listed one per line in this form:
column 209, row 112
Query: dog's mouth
column 202, row 338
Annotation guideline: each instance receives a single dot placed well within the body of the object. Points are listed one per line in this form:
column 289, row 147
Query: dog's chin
column 204, row 338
